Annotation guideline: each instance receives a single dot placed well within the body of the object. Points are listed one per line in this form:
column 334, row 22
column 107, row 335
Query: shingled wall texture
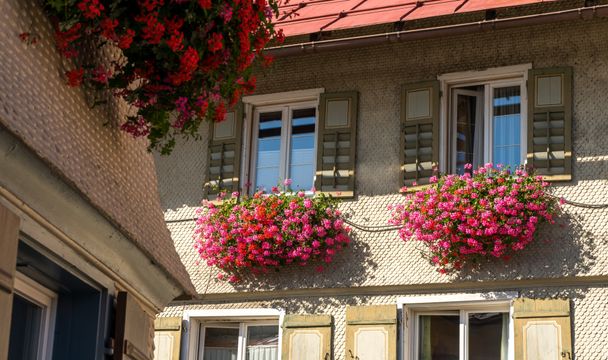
column 579, row 248
column 82, row 144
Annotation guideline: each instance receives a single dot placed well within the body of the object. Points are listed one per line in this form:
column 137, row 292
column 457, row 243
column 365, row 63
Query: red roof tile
column 310, row 16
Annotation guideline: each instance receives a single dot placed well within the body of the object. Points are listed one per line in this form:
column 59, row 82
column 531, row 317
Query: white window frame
column 490, row 79
column 461, row 304
column 196, row 320
column 47, row 300
column 286, row 132
column 252, row 104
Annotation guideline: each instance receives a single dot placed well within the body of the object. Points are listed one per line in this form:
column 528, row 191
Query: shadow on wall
column 318, row 305
column 181, row 175
column 566, row 248
column 351, row 267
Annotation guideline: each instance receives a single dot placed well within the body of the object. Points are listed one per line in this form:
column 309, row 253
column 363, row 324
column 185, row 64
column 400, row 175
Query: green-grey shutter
column 133, row 330
column 9, row 238
column 371, row 332
column 306, row 337
column 167, row 338
column 224, row 154
column 542, row 329
column 419, row 132
column 550, row 122
column 336, row 143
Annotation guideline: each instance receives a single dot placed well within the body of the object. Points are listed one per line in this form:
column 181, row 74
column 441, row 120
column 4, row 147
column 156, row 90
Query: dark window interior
column 83, row 310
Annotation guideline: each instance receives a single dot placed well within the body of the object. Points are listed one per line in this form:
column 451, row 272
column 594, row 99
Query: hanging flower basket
column 268, row 231
column 182, row 61
column 465, row 219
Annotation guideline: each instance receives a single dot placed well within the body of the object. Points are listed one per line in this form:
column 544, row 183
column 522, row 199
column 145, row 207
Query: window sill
column 558, row 178
column 416, row 188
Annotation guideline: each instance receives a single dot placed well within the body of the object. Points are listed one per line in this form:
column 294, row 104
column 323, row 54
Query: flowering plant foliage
column 266, row 231
column 184, row 60
column 463, row 219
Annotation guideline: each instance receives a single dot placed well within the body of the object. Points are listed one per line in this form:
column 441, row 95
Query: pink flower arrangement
column 266, row 231
column 463, row 219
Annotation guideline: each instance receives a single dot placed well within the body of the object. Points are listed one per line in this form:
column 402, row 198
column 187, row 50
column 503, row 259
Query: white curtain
column 262, row 352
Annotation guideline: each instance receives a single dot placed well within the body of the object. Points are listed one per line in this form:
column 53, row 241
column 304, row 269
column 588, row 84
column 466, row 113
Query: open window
column 485, row 118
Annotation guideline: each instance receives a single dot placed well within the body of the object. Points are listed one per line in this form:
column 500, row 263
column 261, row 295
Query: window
column 284, row 145
column 32, row 320
column 458, row 327
column 250, row 340
column 485, row 118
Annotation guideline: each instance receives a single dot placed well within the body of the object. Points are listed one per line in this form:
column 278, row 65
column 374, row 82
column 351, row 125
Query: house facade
column 86, row 261
column 360, row 108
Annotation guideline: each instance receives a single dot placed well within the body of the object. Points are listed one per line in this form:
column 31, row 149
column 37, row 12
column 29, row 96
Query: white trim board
column 283, row 97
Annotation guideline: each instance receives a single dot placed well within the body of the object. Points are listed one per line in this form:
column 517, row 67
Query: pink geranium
column 463, row 219
column 266, row 231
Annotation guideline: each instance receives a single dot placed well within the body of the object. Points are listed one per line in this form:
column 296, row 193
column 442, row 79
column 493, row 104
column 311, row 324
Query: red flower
column 75, row 77
column 205, row 4
column 154, row 29
column 124, row 42
column 188, row 64
column 108, row 27
column 175, row 42
column 90, row 8
column 101, row 75
column 150, row 5
column 215, row 42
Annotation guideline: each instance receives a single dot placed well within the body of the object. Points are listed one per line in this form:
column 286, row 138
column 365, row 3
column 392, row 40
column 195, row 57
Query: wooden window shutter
column 306, row 337
column 371, row 332
column 224, row 154
column 550, row 122
column 419, row 132
column 167, row 338
column 9, row 239
column 542, row 329
column 134, row 330
column 336, row 143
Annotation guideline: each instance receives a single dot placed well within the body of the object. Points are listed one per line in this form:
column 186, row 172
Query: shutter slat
column 550, row 123
column 419, row 132
column 336, row 143
column 224, row 156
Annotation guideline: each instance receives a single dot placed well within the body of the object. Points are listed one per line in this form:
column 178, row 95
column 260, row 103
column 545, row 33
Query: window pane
column 269, row 150
column 26, row 325
column 488, row 336
column 469, row 132
column 507, row 126
column 262, row 342
column 439, row 337
column 301, row 156
column 221, row 343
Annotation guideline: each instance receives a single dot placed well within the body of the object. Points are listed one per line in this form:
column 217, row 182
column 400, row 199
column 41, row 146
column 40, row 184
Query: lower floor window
column 32, row 320
column 474, row 335
column 253, row 340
